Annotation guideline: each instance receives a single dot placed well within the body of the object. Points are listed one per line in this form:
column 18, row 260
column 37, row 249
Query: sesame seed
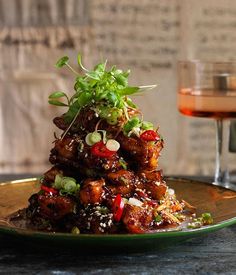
column 100, row 229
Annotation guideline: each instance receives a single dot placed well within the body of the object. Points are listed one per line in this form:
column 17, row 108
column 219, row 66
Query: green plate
column 220, row 202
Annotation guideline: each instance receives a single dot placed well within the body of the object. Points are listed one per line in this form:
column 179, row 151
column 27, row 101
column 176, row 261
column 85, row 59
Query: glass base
column 226, row 180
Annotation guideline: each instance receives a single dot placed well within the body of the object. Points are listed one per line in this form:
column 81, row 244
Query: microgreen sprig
column 100, row 87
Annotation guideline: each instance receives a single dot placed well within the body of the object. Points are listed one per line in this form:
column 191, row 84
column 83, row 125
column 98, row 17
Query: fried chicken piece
column 88, row 120
column 157, row 189
column 55, row 207
column 49, row 176
column 121, row 177
column 146, row 175
column 153, row 183
column 125, row 191
column 85, row 120
column 66, row 147
column 143, row 153
column 96, row 219
column 101, row 164
column 121, row 182
column 137, row 219
column 60, row 123
column 92, row 191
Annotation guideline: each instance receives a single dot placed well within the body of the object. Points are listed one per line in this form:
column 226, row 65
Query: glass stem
column 222, row 148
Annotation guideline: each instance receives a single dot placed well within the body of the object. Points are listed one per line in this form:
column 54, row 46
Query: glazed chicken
column 104, row 176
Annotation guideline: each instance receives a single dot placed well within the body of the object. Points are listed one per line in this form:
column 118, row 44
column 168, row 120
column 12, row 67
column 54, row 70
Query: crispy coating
column 49, row 176
column 92, row 191
column 157, row 190
column 66, row 147
column 55, row 207
column 137, row 219
column 121, row 177
column 144, row 154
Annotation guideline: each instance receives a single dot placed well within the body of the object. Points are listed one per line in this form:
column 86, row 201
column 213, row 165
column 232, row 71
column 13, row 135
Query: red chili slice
column 99, row 149
column 149, row 135
column 118, row 207
column 50, row 190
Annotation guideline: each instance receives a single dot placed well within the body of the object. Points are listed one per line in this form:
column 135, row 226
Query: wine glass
column 208, row 89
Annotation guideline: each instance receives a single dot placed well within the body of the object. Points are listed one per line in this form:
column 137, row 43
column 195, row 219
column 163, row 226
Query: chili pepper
column 149, row 135
column 50, row 190
column 99, row 149
column 118, row 207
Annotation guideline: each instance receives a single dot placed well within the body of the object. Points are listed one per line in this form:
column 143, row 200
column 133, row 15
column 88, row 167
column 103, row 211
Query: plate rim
column 10, row 230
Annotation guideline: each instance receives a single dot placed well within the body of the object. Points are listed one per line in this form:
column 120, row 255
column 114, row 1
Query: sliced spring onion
column 136, row 202
column 207, row 218
column 123, row 163
column 75, row 230
column 113, row 145
column 88, row 140
column 93, row 138
column 158, row 218
column 70, row 186
column 112, row 120
column 171, row 192
column 146, row 125
column 133, row 122
column 58, row 182
column 125, row 200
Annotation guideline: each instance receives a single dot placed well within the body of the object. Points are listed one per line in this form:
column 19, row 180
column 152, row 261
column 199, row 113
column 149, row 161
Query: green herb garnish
column 123, row 163
column 66, row 185
column 205, row 219
column 75, row 230
column 107, row 89
column 158, row 218
column 131, row 124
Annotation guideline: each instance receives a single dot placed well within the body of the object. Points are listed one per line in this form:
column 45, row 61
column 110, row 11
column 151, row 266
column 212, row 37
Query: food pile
column 104, row 176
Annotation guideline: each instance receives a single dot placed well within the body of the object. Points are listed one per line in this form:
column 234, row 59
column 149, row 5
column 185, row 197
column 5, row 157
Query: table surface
column 211, row 254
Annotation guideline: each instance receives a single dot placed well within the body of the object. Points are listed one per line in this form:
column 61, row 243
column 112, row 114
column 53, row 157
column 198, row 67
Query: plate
column 220, row 202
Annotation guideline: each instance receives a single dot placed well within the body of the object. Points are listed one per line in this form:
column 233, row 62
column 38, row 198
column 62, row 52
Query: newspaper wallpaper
column 148, row 37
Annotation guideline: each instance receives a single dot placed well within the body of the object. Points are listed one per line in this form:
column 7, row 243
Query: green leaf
column 126, row 74
column 104, row 111
column 128, row 91
column 130, row 103
column 70, row 114
column 121, row 80
column 56, row 102
column 133, row 122
column 147, row 87
column 81, row 84
column 84, row 98
column 94, row 75
column 57, row 94
column 62, row 61
column 113, row 97
column 100, row 67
